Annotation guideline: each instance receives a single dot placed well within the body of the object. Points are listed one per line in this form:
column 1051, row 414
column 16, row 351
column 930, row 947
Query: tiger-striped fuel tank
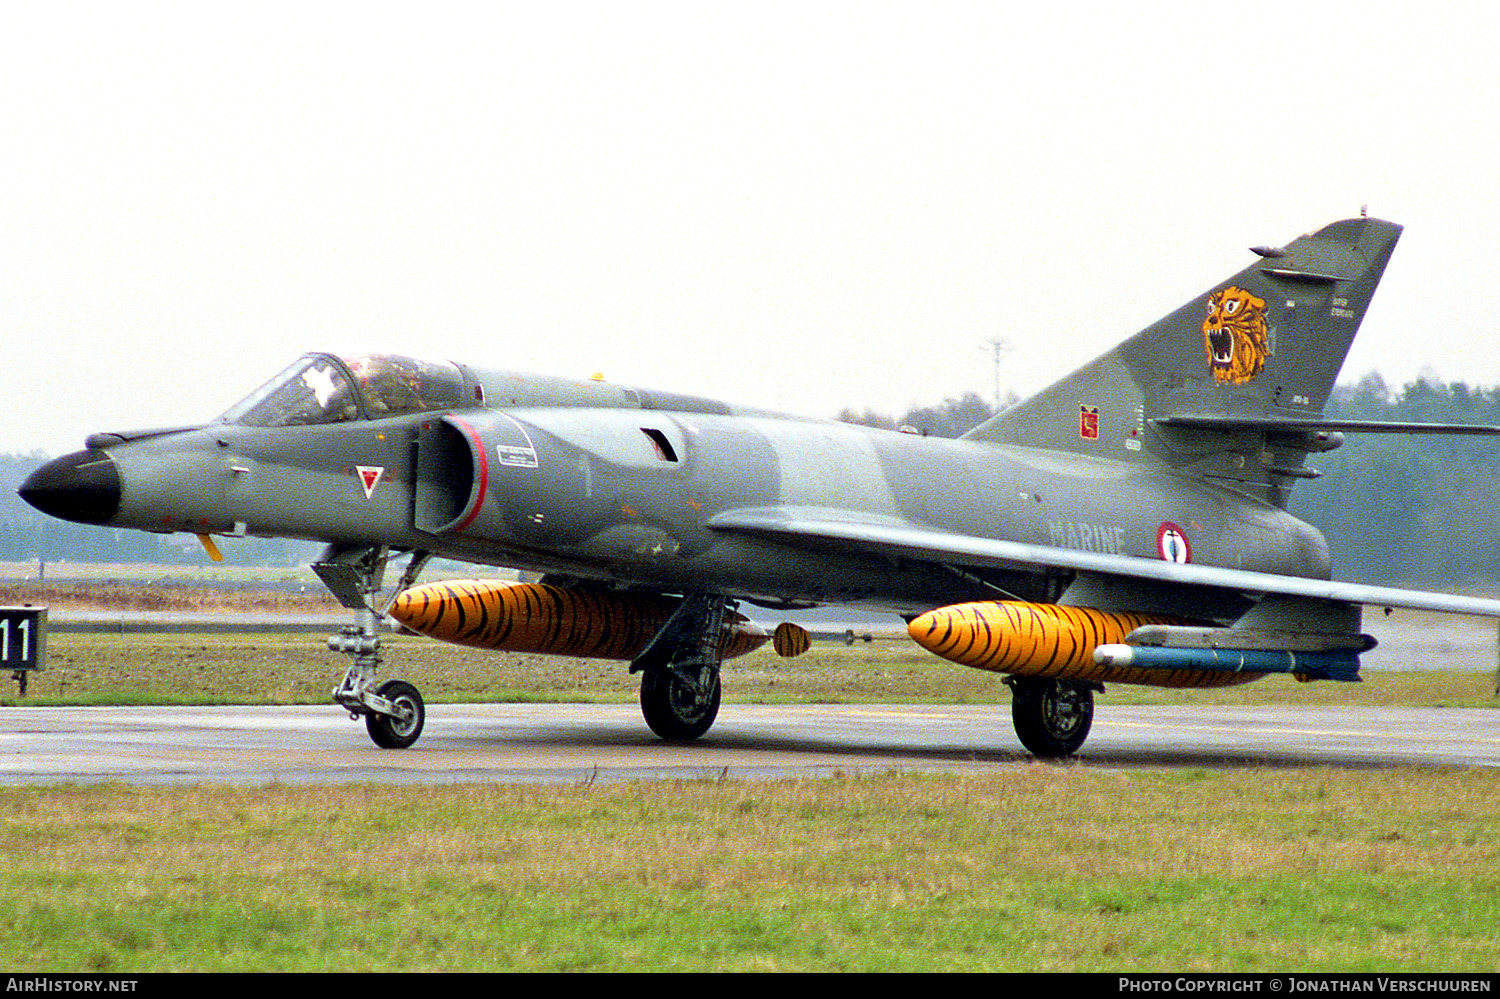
column 1049, row 640
column 554, row 620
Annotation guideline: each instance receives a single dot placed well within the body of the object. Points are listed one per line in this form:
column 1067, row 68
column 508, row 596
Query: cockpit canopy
column 323, row 388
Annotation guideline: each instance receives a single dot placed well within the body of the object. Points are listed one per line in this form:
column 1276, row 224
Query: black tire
column 1052, row 717
column 392, row 733
column 673, row 708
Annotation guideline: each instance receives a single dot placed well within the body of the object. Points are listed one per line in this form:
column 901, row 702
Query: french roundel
column 1172, row 544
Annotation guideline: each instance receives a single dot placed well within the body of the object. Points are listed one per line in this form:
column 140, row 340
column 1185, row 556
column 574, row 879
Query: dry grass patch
column 165, row 598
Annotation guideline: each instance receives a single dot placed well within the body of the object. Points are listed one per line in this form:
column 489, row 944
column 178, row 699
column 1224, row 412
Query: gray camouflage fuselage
column 599, row 489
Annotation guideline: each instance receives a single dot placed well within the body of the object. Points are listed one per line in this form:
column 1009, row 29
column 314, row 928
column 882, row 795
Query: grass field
column 1030, row 868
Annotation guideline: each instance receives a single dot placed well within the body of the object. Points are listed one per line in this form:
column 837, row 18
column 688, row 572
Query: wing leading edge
column 900, row 539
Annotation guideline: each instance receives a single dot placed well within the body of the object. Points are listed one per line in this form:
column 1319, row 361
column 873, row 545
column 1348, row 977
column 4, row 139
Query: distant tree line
column 1419, row 509
column 949, row 418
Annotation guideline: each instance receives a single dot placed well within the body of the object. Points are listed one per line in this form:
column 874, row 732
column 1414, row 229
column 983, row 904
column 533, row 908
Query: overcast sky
column 803, row 206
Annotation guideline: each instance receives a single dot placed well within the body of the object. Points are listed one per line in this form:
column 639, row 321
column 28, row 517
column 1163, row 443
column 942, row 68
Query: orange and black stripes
column 1048, row 640
column 534, row 617
column 790, row 640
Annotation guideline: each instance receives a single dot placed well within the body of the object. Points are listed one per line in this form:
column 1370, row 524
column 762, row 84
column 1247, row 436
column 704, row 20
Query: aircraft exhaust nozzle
column 551, row 620
column 1050, row 640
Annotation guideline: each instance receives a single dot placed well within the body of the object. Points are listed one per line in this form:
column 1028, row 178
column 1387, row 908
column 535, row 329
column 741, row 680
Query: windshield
column 317, row 389
column 313, row 390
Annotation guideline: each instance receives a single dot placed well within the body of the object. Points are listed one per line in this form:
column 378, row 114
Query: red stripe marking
column 484, row 471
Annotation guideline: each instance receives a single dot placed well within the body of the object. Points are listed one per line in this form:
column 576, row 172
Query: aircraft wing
column 901, row 539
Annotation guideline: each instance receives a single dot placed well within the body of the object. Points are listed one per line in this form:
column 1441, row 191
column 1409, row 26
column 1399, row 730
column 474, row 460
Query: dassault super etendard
column 1126, row 525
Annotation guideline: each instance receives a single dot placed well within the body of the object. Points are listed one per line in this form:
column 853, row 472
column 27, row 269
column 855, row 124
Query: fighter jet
column 1127, row 524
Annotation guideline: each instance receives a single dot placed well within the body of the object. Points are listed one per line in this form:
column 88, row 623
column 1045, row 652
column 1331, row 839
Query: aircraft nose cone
column 83, row 486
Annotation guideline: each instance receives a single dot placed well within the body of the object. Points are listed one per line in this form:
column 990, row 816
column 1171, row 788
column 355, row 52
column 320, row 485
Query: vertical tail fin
column 1266, row 344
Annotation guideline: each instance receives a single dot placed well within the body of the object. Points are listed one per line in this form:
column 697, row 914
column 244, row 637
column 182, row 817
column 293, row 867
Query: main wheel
column 676, row 708
column 390, row 732
column 1052, row 717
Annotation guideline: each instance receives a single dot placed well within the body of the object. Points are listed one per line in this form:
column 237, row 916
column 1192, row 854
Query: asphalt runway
column 564, row 743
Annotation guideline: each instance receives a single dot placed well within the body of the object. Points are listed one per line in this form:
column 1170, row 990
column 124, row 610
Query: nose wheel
column 393, row 711
column 401, row 727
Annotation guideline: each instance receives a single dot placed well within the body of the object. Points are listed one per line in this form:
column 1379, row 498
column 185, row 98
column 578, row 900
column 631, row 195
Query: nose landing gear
column 393, row 711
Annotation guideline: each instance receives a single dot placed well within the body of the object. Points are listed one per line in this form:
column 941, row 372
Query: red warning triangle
column 370, row 475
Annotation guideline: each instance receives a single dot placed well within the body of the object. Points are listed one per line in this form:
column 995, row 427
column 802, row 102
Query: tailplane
column 1231, row 385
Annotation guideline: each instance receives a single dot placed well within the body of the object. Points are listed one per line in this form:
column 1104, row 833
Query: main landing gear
column 393, row 711
column 680, row 669
column 1052, row 717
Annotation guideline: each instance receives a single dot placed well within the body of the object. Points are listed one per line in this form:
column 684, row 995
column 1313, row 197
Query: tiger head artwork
column 1234, row 335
